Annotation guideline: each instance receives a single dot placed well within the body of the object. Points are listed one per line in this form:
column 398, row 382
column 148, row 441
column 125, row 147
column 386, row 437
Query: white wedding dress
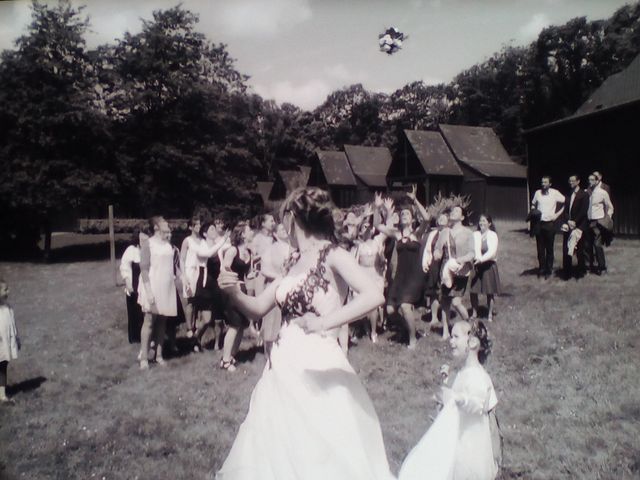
column 310, row 417
column 458, row 445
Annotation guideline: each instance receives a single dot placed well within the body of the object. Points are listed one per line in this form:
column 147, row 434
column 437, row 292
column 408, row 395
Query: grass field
column 565, row 366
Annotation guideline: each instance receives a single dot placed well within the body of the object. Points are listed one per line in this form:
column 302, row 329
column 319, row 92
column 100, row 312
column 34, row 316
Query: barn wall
column 506, row 199
column 606, row 142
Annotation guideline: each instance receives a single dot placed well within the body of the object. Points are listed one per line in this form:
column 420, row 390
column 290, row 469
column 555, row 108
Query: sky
column 299, row 51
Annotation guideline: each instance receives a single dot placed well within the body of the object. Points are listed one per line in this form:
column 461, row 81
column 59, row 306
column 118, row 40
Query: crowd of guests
column 424, row 264
column 584, row 216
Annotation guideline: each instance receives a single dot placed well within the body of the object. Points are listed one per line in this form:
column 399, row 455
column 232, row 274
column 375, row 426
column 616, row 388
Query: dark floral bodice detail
column 299, row 300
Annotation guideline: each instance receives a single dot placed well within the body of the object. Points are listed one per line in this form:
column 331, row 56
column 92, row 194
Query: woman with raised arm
column 309, row 416
column 407, row 287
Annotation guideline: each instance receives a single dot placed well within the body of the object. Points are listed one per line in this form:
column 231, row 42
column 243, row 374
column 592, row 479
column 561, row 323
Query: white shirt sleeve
column 128, row 257
column 535, row 200
column 477, row 245
column 607, row 203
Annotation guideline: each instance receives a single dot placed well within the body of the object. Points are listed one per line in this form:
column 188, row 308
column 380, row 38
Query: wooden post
column 112, row 246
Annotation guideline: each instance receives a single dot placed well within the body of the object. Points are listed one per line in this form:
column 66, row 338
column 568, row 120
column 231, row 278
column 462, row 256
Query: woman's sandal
column 229, row 365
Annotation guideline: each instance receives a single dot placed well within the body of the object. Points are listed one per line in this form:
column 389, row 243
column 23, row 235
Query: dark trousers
column 581, row 253
column 596, row 244
column 3, row 373
column 544, row 244
column 135, row 317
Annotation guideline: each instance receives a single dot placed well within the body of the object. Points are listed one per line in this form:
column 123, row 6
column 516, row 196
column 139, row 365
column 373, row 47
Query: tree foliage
column 54, row 141
column 161, row 121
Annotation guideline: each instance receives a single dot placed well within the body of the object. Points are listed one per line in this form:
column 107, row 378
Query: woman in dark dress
column 407, row 287
column 237, row 258
column 207, row 299
column 486, row 280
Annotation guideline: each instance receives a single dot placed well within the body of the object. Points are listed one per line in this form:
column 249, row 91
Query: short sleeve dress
column 8, row 335
column 161, row 280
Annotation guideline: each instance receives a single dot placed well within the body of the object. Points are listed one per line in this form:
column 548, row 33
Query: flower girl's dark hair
column 479, row 330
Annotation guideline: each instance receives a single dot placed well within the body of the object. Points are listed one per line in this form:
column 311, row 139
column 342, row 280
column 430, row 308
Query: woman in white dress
column 309, row 416
column 190, row 268
column 458, row 445
column 9, row 341
column 157, row 289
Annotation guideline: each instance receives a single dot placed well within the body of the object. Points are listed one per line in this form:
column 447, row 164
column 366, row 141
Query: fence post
column 112, row 246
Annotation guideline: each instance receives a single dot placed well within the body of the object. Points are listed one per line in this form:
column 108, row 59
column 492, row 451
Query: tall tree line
column 162, row 121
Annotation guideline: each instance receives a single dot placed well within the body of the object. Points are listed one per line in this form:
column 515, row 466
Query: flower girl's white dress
column 458, row 445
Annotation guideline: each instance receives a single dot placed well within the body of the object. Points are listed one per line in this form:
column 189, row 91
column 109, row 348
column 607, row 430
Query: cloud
column 530, row 30
column 344, row 75
column 306, row 95
column 261, row 18
column 15, row 18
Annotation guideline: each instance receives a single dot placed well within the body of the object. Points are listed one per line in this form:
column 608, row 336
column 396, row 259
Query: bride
column 309, row 416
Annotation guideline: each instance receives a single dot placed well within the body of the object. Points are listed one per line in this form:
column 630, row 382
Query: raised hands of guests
column 378, row 201
column 388, row 205
column 368, row 211
column 412, row 193
column 228, row 281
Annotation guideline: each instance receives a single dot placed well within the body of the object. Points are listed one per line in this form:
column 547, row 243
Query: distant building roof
column 264, row 189
column 433, row 153
column 293, row 179
column 617, row 90
column 481, row 149
column 335, row 167
column 369, row 164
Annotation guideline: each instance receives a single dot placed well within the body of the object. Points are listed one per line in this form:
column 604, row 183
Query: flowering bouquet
column 391, row 40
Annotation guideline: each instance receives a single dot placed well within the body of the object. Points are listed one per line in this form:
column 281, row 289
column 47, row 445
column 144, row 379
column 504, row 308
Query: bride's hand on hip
column 309, row 322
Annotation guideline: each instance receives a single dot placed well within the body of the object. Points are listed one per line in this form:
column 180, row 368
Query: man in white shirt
column 546, row 200
column 600, row 215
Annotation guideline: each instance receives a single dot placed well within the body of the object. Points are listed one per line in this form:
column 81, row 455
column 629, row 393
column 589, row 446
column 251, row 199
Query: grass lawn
column 565, row 367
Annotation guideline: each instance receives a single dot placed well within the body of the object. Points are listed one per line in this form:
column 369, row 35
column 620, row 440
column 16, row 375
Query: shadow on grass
column 530, row 271
column 25, row 385
column 249, row 355
column 86, row 253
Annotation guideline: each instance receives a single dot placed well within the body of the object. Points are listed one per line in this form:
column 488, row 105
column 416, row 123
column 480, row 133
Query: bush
column 125, row 225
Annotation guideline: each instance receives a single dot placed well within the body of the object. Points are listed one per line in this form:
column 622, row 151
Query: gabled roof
column 616, row 91
column 481, row 149
column 369, row 164
column 264, row 189
column 335, row 167
column 293, row 179
column 433, row 153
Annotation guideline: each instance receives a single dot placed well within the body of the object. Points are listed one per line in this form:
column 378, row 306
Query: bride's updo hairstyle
column 313, row 209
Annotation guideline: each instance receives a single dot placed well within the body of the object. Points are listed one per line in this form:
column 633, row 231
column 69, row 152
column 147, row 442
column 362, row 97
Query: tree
column 180, row 117
column 54, row 140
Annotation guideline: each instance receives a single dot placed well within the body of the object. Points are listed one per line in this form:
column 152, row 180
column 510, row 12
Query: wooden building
column 599, row 136
column 370, row 166
column 425, row 159
column 287, row 181
column 332, row 172
column 494, row 182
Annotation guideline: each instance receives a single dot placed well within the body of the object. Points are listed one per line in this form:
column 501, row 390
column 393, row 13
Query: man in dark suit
column 576, row 223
